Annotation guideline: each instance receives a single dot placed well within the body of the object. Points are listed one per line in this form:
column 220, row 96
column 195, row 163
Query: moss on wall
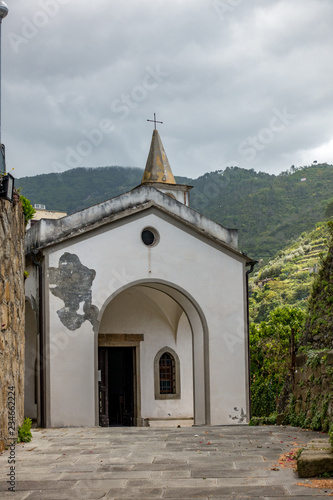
column 311, row 403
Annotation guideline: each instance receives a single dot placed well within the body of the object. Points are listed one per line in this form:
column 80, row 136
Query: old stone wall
column 12, row 233
column 313, row 389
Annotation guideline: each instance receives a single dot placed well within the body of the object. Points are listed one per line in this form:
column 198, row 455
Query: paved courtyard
column 180, row 463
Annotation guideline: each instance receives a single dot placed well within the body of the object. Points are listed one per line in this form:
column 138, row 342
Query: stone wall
column 313, row 389
column 12, row 233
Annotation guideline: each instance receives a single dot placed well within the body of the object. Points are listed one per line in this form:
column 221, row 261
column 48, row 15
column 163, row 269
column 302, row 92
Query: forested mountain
column 268, row 210
column 79, row 188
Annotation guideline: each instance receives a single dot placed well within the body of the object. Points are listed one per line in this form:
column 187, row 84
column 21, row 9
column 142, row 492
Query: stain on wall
column 238, row 415
column 72, row 284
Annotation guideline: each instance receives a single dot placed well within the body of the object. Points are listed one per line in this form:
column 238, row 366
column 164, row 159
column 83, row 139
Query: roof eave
column 47, row 233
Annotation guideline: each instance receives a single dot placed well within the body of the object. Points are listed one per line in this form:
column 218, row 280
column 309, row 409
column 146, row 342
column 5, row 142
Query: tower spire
column 157, row 167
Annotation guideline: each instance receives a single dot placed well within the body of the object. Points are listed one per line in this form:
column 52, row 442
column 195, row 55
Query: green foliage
column 314, row 359
column 319, row 322
column 24, row 432
column 271, row 420
column 329, row 371
column 270, row 357
column 316, row 419
column 329, row 210
column 288, row 277
column 268, row 210
column 263, row 397
column 326, row 475
column 28, row 209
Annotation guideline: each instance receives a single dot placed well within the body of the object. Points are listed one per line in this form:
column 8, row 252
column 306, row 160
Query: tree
column 270, row 356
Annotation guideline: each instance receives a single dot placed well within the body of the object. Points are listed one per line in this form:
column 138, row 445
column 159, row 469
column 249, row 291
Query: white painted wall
column 213, row 278
column 177, row 194
column 71, row 371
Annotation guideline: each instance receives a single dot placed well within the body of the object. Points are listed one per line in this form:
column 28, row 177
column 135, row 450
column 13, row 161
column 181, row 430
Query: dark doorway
column 116, row 385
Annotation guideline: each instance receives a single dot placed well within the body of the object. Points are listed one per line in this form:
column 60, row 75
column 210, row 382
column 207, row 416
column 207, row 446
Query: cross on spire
column 155, row 121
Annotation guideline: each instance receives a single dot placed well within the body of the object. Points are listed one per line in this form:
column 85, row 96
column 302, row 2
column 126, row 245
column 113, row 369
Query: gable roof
column 47, row 233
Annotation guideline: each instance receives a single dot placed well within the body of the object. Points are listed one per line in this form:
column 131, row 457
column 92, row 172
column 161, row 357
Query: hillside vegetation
column 288, row 277
column 318, row 332
column 278, row 305
column 268, row 210
column 292, row 306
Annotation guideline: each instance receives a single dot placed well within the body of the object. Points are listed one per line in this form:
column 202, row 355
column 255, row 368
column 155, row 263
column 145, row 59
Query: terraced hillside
column 287, row 278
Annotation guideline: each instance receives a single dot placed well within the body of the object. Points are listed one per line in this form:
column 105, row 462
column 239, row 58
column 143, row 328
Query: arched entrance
column 136, row 323
column 31, row 374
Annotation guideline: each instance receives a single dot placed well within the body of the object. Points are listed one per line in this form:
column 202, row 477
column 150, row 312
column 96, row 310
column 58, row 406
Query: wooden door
column 121, row 386
column 103, row 386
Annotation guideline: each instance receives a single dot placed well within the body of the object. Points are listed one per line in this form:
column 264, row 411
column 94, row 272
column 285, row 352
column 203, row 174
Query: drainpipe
column 248, row 272
column 34, row 254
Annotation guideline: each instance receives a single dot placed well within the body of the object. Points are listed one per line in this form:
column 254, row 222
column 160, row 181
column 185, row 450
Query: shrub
column 28, row 209
column 271, row 420
column 24, row 432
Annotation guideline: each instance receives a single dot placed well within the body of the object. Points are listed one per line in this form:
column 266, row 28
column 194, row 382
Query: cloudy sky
column 236, row 82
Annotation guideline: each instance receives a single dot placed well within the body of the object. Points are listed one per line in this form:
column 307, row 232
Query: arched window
column 167, row 374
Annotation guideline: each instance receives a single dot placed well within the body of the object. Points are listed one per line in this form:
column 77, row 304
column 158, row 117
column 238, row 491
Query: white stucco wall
column 177, row 194
column 213, row 278
column 71, row 374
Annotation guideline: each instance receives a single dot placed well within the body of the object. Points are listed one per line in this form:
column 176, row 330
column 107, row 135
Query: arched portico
column 176, row 302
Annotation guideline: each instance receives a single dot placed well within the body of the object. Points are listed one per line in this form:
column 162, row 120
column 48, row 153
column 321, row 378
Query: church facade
column 136, row 312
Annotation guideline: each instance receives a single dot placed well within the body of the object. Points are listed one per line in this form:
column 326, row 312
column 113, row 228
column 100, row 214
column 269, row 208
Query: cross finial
column 154, row 120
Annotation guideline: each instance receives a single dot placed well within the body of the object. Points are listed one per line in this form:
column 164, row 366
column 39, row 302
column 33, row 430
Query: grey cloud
column 228, row 70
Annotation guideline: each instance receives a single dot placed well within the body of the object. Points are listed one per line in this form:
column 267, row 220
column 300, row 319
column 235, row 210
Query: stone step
column 315, row 459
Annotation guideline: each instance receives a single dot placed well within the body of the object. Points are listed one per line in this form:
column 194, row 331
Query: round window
column 150, row 236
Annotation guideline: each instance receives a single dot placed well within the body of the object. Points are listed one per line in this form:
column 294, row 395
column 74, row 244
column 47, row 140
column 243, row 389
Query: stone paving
column 181, row 463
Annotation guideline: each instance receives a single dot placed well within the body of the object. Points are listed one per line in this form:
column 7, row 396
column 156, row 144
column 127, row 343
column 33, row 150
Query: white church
column 136, row 312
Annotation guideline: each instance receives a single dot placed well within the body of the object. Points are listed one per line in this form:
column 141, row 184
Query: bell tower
column 158, row 172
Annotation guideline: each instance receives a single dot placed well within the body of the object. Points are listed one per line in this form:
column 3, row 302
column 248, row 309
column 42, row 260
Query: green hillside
column 288, row 277
column 79, row 188
column 319, row 323
column 268, row 210
column 291, row 304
